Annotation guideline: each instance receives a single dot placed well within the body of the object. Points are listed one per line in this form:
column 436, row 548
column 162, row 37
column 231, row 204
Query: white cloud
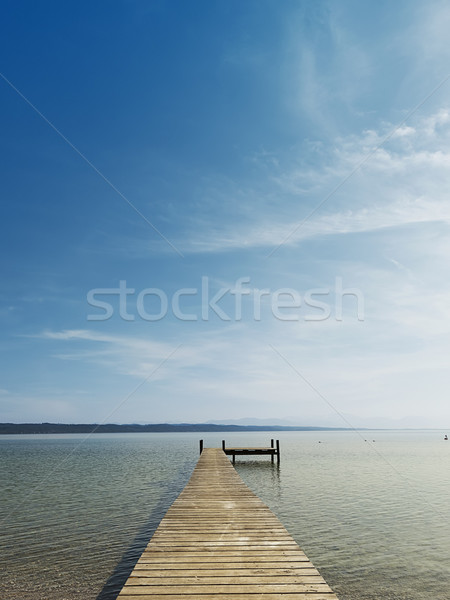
column 360, row 185
column 403, row 131
column 394, row 177
column 380, row 366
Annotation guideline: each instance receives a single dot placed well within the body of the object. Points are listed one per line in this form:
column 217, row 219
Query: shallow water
column 373, row 516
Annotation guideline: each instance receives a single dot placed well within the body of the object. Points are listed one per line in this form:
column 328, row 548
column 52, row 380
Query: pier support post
column 278, row 452
column 271, row 445
column 223, row 445
column 201, row 446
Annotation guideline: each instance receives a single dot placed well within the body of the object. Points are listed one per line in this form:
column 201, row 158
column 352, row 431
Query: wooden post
column 223, row 445
column 234, row 459
column 278, row 451
column 271, row 456
column 201, row 446
column 271, row 443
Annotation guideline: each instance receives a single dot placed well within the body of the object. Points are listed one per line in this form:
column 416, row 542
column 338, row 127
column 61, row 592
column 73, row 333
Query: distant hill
column 252, row 421
column 24, row 428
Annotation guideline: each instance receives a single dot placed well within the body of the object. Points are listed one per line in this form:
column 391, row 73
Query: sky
column 218, row 210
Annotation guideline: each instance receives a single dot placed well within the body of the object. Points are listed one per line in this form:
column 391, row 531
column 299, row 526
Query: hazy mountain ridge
column 34, row 428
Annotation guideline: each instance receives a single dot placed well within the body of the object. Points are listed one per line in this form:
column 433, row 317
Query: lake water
column 373, row 516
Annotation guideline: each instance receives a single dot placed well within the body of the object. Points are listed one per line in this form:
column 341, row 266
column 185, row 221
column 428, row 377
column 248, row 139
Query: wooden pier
column 273, row 450
column 219, row 541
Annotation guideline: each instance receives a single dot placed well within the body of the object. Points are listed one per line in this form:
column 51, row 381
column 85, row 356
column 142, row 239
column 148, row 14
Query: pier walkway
column 219, row 541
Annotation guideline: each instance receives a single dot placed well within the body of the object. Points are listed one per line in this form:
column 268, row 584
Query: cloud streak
column 400, row 185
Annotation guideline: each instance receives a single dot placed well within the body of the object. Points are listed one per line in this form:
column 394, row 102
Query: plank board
column 219, row 541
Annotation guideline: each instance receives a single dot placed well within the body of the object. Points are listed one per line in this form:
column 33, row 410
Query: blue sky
column 296, row 146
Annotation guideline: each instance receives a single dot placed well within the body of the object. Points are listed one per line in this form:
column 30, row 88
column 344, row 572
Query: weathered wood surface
column 218, row 541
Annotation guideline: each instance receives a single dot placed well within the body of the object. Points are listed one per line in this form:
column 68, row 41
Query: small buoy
column 445, row 437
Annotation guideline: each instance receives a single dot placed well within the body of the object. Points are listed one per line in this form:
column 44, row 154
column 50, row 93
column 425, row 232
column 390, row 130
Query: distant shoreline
column 34, row 428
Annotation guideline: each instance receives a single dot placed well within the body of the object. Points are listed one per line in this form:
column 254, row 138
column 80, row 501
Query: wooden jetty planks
column 219, row 541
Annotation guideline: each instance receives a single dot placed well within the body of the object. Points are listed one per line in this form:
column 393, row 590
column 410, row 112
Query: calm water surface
column 373, row 516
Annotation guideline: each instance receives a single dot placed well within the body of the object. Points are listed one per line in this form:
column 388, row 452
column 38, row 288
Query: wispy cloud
column 401, row 184
column 216, row 373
